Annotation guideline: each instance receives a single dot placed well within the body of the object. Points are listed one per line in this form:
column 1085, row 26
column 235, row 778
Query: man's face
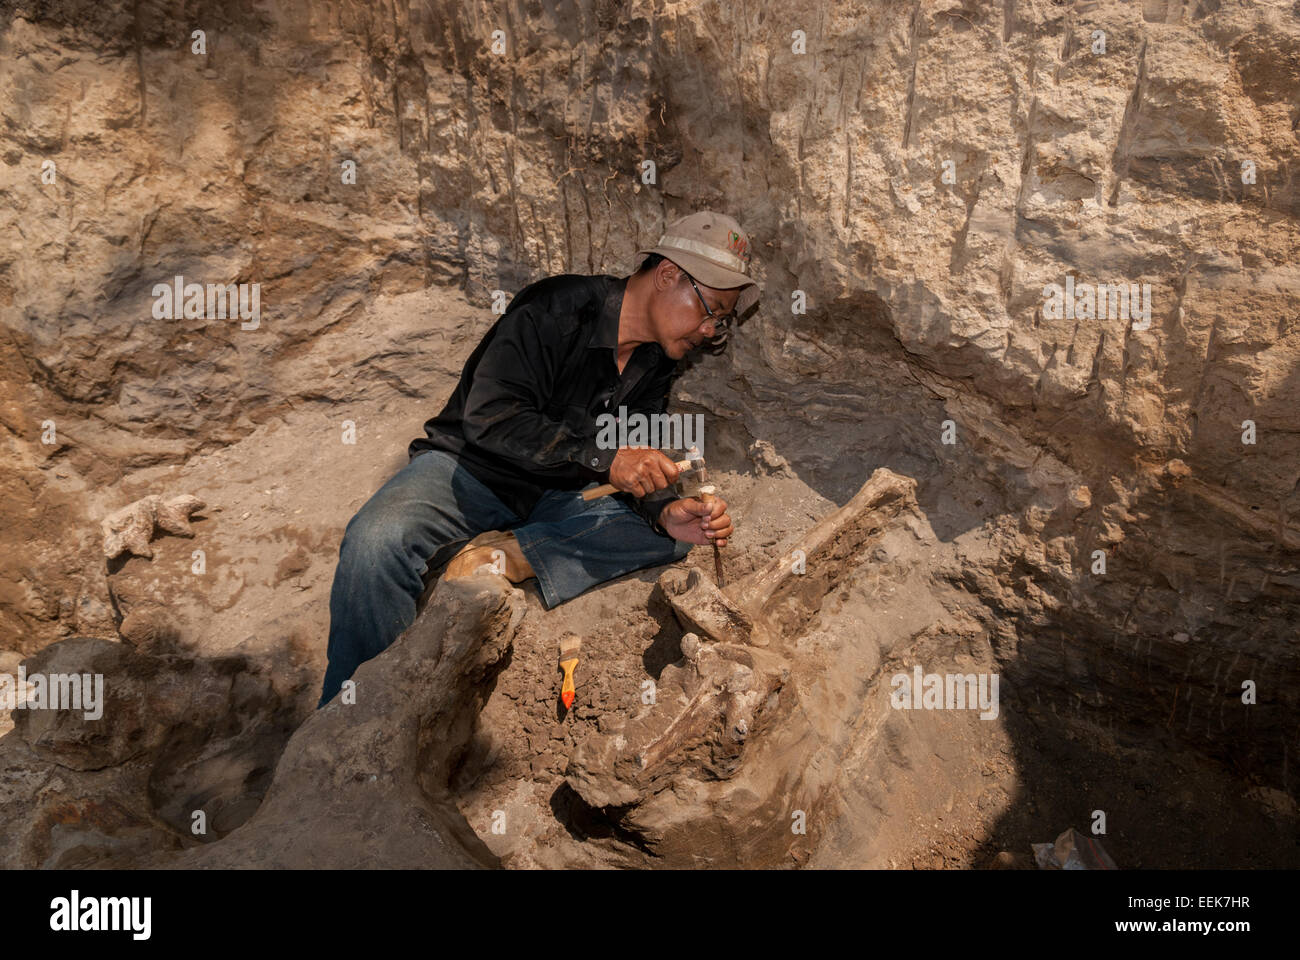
column 680, row 318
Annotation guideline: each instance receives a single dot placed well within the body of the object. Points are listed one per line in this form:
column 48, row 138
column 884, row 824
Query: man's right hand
column 641, row 471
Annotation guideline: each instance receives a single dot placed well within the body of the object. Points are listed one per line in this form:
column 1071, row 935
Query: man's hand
column 641, row 471
column 691, row 520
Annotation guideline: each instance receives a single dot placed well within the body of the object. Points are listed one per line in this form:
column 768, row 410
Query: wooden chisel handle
column 707, row 499
column 605, row 489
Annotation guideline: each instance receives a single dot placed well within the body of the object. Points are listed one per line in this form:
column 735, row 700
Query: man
column 505, row 461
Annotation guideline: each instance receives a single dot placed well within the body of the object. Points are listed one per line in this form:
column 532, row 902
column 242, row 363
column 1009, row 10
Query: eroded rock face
column 364, row 784
column 921, row 174
column 164, row 735
column 359, row 784
column 1115, row 166
column 149, row 700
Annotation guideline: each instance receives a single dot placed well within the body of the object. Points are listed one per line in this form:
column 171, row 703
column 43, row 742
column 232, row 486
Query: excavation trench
column 753, row 726
column 786, row 747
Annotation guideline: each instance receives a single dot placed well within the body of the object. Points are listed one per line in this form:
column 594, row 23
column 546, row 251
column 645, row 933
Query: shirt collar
column 605, row 336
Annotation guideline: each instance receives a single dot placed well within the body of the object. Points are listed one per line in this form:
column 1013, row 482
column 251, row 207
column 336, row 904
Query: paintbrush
column 570, row 644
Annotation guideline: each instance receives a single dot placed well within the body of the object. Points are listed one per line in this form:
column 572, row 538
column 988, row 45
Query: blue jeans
column 425, row 513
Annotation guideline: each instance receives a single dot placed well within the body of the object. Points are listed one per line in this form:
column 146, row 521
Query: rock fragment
column 130, row 529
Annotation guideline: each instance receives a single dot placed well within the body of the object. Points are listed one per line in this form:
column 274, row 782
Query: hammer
column 605, row 489
column 694, row 462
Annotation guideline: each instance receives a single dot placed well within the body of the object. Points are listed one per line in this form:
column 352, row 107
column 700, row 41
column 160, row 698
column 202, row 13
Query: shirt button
column 594, row 462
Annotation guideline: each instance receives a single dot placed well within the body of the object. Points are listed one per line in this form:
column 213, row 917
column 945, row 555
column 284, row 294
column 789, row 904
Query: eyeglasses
column 721, row 323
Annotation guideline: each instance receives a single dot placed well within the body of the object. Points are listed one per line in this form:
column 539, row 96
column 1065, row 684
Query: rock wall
column 916, row 173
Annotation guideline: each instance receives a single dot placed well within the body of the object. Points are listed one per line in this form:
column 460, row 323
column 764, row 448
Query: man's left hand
column 692, row 520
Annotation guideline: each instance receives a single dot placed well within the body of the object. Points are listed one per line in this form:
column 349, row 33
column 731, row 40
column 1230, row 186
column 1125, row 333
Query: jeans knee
column 374, row 537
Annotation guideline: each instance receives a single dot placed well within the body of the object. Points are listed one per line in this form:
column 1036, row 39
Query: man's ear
column 674, row 273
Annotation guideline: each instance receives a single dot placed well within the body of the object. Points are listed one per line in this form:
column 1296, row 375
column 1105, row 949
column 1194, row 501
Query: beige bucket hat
column 713, row 249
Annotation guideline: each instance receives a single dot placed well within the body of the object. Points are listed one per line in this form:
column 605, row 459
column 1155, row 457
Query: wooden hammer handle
column 605, row 489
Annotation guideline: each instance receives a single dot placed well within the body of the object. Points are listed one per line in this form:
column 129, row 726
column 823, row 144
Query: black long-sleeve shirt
column 523, row 417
